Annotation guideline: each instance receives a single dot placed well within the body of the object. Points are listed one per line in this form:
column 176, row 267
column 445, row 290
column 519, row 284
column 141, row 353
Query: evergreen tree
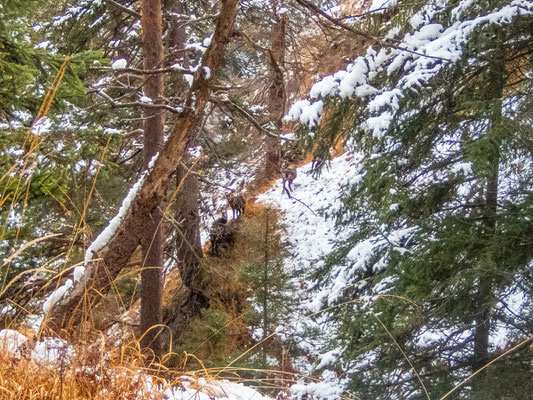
column 268, row 279
column 439, row 254
column 48, row 158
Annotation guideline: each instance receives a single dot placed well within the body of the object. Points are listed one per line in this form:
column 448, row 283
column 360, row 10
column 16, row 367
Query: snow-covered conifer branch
column 359, row 79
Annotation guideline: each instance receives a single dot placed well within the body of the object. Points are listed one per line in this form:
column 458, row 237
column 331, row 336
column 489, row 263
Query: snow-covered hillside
column 309, row 216
column 309, row 222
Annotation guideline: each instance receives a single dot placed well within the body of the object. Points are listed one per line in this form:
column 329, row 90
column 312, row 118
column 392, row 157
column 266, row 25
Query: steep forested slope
column 396, row 265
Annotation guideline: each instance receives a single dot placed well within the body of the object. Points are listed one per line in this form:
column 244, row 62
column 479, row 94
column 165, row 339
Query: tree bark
column 152, row 265
column 179, row 312
column 109, row 261
column 189, row 247
column 189, row 255
column 276, row 92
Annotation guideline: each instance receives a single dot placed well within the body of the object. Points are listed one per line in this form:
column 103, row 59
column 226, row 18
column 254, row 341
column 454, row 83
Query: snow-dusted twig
column 113, row 103
column 141, row 71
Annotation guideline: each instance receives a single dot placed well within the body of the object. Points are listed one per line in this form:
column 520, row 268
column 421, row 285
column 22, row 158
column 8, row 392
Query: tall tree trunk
column 152, row 266
column 176, row 41
column 276, row 91
column 485, row 297
column 189, row 255
column 188, row 243
column 189, row 246
column 114, row 255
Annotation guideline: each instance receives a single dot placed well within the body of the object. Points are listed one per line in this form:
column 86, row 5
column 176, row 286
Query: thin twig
column 176, row 225
column 138, row 104
column 300, row 201
column 318, row 10
column 124, row 9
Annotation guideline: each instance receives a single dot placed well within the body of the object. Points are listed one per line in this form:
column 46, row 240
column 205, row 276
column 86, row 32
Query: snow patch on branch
column 435, row 46
column 120, row 63
column 114, row 224
column 103, row 238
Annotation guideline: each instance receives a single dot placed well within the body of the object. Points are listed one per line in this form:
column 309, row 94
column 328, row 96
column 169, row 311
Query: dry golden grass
column 96, row 371
column 102, row 368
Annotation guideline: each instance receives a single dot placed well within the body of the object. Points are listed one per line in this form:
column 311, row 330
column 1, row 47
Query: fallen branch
column 300, row 201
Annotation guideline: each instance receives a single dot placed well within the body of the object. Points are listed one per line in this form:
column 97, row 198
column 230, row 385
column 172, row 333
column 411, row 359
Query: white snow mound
column 119, row 63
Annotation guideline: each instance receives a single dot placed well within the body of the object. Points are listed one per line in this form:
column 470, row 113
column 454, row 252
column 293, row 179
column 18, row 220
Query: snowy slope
column 309, row 222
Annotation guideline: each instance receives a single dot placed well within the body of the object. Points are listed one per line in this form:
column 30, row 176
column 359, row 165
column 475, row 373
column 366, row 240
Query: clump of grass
column 83, row 370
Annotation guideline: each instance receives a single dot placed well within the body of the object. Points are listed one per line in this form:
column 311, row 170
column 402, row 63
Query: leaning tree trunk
column 152, row 265
column 276, row 93
column 111, row 258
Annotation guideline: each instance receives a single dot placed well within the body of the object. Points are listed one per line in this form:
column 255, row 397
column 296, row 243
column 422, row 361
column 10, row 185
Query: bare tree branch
column 124, row 9
column 141, row 71
column 115, row 104
column 317, row 10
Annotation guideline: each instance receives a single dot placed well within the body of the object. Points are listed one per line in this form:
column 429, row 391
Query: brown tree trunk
column 110, row 260
column 189, row 255
column 189, row 247
column 176, row 42
column 152, row 266
column 276, row 93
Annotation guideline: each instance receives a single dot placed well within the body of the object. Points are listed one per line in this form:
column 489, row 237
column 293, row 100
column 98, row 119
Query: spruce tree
column 439, row 210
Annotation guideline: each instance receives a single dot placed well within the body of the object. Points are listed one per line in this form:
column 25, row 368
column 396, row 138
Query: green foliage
column 265, row 275
column 207, row 338
column 433, row 230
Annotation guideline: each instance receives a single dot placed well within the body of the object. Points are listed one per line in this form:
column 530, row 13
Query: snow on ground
column 12, row 344
column 52, row 351
column 46, row 352
column 56, row 353
column 309, row 222
column 202, row 389
column 309, row 225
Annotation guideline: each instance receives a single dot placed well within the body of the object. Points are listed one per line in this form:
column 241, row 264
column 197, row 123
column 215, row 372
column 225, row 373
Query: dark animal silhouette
column 237, row 204
column 291, row 153
column 289, row 175
column 318, row 160
column 320, row 154
column 222, row 235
